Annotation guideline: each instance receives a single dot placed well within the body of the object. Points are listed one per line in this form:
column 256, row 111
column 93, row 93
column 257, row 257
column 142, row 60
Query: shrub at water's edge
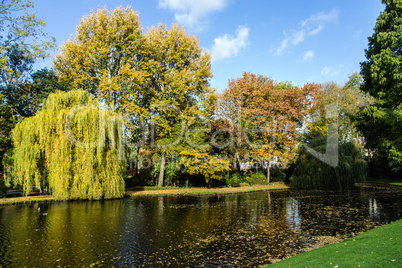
column 3, row 188
column 312, row 173
column 257, row 178
column 71, row 147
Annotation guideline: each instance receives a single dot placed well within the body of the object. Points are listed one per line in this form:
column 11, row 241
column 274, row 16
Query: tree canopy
column 312, row 173
column 22, row 38
column 156, row 82
column 346, row 102
column 157, row 79
column 104, row 57
column 266, row 114
column 22, row 42
column 381, row 122
column 72, row 147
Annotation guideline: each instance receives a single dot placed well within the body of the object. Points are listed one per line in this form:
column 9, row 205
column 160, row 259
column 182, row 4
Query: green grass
column 380, row 247
column 25, row 199
column 396, row 183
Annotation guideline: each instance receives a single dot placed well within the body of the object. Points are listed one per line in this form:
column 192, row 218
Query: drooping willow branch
column 72, row 147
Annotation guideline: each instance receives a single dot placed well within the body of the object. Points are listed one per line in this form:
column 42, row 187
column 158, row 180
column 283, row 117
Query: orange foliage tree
column 266, row 116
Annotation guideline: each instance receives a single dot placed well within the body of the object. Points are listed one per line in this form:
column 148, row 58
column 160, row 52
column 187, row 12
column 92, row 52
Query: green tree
column 347, row 101
column 381, row 122
column 22, row 99
column 6, row 125
column 312, row 173
column 22, row 42
column 25, row 98
column 72, row 147
column 21, row 32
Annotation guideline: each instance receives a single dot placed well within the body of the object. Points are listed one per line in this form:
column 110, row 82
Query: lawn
column 380, row 247
column 397, row 182
column 25, row 199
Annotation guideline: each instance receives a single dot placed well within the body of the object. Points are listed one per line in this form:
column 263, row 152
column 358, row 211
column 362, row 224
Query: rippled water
column 236, row 230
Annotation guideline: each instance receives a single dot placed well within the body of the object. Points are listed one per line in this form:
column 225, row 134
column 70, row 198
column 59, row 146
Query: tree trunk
column 136, row 160
column 268, row 175
column 237, row 162
column 210, row 183
column 162, row 170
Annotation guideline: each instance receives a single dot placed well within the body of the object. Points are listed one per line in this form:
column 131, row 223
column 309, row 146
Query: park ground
column 379, row 247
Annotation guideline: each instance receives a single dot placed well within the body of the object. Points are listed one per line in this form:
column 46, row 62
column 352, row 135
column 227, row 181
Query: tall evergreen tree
column 381, row 122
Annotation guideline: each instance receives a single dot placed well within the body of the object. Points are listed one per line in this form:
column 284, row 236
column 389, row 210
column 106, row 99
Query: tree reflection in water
column 235, row 230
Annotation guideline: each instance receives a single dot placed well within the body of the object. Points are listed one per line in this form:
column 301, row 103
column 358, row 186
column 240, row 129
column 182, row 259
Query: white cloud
column 227, row 46
column 308, row 27
column 328, row 71
column 309, row 55
column 325, row 71
column 191, row 12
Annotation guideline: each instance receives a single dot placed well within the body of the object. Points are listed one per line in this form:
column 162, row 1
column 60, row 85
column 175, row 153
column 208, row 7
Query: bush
column 277, row 175
column 258, row 178
column 143, row 178
column 234, row 178
column 3, row 188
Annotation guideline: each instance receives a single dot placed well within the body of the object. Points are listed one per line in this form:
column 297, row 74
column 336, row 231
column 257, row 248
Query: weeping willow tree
column 72, row 147
column 311, row 173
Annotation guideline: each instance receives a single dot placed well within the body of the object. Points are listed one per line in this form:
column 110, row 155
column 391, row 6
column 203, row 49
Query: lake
column 233, row 230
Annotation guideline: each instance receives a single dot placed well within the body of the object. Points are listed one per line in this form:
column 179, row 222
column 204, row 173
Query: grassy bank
column 385, row 181
column 145, row 191
column 380, row 247
column 25, row 199
column 149, row 190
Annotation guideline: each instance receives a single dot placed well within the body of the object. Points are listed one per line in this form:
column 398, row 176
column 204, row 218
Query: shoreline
column 177, row 191
column 152, row 192
column 377, row 247
column 207, row 191
column 318, row 253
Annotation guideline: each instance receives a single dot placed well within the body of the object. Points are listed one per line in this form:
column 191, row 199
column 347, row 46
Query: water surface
column 235, row 230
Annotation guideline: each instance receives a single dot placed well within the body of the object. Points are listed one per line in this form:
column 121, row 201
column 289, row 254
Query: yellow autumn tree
column 178, row 73
column 72, row 147
column 157, row 79
column 210, row 166
column 104, row 57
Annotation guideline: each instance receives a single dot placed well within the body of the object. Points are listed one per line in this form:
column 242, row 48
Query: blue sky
column 299, row 41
